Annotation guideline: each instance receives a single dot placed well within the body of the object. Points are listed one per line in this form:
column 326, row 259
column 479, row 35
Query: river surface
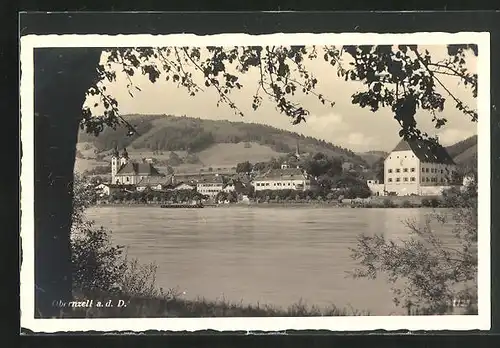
column 274, row 255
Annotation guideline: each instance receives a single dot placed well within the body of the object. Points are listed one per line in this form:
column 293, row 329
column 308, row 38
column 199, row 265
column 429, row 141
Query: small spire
column 115, row 152
column 125, row 153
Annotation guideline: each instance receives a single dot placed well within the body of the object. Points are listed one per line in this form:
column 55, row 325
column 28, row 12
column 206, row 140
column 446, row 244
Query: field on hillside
column 171, row 133
column 227, row 153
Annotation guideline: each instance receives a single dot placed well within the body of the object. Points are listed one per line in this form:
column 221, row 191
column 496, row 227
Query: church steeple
column 124, row 158
column 115, row 153
column 125, row 153
column 297, row 150
column 114, row 164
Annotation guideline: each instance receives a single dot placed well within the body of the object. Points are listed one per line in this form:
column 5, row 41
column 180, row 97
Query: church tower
column 297, row 151
column 114, row 165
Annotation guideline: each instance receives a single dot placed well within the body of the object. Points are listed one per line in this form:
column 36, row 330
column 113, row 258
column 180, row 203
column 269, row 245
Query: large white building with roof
column 285, row 178
column 419, row 167
column 210, row 185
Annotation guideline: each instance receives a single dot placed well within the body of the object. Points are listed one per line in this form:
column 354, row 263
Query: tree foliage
column 244, row 167
column 404, row 78
column 319, row 164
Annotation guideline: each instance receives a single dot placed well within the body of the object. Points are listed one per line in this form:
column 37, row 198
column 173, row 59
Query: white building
column 234, row 186
column 126, row 172
column 419, row 167
column 376, row 187
column 285, row 178
column 108, row 189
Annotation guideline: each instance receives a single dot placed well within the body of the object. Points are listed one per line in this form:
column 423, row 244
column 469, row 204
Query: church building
column 127, row 172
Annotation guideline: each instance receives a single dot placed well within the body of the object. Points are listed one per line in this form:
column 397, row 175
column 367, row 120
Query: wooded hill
column 193, row 135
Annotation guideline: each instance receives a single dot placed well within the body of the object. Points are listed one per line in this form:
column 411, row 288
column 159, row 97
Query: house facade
column 285, row 178
column 376, row 187
column 418, row 167
column 108, row 189
column 235, row 186
column 127, row 172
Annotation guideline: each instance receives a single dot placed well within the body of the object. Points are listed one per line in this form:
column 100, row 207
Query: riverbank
column 126, row 306
column 374, row 202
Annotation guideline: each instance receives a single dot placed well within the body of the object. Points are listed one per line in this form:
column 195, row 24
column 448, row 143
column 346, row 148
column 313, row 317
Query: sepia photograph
column 285, row 181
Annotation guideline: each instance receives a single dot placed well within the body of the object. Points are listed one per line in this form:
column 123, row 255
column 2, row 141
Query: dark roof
column 238, row 185
column 216, row 179
column 425, row 150
column 282, row 174
column 184, row 183
column 133, row 168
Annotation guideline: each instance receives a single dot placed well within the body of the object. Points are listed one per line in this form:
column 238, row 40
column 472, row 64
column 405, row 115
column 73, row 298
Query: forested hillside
column 171, row 133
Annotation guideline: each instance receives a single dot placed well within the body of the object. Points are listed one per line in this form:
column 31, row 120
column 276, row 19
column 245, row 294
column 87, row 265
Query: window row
column 208, row 191
column 398, row 170
column 432, row 170
column 398, row 179
column 412, row 156
column 274, row 184
column 412, row 170
column 412, row 179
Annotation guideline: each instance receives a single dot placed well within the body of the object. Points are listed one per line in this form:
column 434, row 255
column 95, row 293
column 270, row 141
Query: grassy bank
column 176, row 307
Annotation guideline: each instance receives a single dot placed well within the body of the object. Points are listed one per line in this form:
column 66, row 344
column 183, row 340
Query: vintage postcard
column 255, row 183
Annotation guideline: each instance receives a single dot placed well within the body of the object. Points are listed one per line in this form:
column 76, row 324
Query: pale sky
column 344, row 124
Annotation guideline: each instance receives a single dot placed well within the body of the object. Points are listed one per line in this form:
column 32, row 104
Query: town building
column 127, row 172
column 418, row 167
column 105, row 189
column 210, row 185
column 184, row 186
column 235, row 185
column 376, row 187
column 285, row 178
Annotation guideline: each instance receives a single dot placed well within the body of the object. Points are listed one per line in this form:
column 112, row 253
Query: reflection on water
column 267, row 255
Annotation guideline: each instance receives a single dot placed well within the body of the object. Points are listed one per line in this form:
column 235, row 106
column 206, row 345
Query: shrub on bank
column 406, row 204
column 388, row 203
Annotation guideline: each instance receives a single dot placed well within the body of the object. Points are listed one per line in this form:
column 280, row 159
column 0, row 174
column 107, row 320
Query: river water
column 274, row 255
